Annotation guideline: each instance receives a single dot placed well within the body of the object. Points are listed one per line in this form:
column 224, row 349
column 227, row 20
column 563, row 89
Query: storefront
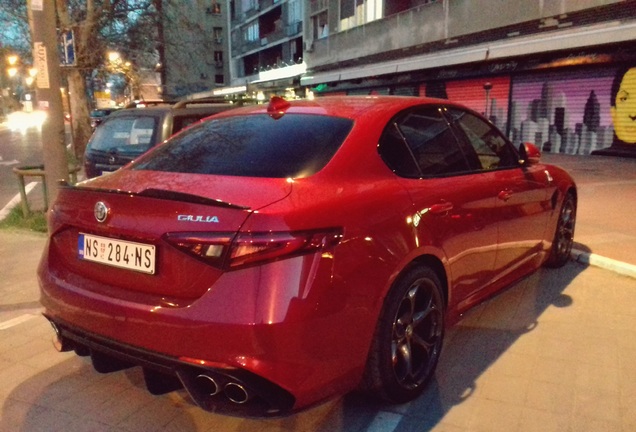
column 562, row 101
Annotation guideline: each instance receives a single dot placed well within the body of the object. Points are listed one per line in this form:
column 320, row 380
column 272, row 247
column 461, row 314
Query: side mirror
column 530, row 153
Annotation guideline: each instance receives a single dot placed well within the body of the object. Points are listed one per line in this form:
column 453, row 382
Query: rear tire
column 408, row 338
column 564, row 234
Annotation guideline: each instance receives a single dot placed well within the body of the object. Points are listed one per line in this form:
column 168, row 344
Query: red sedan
column 274, row 256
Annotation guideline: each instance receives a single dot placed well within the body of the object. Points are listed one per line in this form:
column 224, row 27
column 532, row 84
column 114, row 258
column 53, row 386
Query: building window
column 295, row 11
column 218, row 34
column 251, row 32
column 320, row 26
column 354, row 13
column 218, row 59
column 215, row 9
column 219, row 79
column 247, row 5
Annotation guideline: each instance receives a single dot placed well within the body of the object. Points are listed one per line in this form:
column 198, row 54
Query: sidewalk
column 605, row 233
column 19, row 256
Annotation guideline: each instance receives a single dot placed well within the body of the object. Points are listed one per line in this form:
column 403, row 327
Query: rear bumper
column 212, row 387
column 292, row 341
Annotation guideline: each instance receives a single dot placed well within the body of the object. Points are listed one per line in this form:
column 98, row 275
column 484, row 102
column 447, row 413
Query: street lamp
column 113, row 56
column 13, row 61
column 118, row 65
column 21, row 79
column 12, row 70
column 12, row 73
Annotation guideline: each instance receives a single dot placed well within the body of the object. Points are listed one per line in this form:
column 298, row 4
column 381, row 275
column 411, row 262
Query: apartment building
column 193, row 47
column 266, row 47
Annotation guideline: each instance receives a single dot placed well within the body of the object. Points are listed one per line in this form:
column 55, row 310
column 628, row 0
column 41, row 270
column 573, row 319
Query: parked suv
column 99, row 115
column 127, row 133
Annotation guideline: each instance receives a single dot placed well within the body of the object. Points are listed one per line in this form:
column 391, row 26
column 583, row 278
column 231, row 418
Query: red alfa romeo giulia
column 274, row 256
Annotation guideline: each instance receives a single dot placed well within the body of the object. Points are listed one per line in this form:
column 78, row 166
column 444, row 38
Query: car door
column 453, row 203
column 522, row 195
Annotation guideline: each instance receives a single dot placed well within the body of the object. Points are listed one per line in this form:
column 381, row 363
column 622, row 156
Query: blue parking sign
column 67, row 48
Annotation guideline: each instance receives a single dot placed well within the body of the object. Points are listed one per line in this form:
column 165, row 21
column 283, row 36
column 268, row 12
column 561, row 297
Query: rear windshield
column 125, row 134
column 295, row 145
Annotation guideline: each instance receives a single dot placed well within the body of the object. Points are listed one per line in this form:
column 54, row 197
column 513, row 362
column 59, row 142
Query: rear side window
column 419, row 142
column 295, row 145
column 493, row 150
column 134, row 134
column 182, row 122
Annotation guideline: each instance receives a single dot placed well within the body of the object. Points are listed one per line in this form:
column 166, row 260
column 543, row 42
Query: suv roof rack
column 148, row 102
column 203, row 101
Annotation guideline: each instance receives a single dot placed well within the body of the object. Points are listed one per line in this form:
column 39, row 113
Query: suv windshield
column 125, row 134
column 295, row 145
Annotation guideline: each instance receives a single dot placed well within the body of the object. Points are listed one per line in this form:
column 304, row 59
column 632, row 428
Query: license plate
column 118, row 253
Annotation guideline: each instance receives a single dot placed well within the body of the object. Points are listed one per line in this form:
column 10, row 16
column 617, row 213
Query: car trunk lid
column 115, row 240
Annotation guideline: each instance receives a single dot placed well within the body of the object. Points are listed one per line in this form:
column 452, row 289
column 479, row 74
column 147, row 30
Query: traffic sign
column 67, row 48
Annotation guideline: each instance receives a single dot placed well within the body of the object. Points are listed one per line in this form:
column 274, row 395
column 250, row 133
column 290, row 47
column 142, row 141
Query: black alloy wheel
column 564, row 234
column 408, row 339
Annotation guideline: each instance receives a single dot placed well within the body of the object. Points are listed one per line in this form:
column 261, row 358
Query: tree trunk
column 80, row 119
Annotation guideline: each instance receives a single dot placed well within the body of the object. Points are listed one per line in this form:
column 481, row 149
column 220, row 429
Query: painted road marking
column 15, row 200
column 15, row 321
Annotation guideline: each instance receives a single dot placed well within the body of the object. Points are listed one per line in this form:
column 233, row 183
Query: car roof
column 347, row 106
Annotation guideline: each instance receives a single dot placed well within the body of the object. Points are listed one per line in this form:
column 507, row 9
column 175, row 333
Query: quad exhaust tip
column 60, row 343
column 207, row 385
column 236, row 393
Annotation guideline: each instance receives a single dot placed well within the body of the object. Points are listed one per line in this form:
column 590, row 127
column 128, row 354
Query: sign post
column 48, row 83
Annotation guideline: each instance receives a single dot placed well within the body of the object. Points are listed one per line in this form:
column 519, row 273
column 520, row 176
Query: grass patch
column 36, row 221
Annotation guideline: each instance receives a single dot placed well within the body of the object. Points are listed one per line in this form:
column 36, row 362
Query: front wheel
column 408, row 338
column 564, row 234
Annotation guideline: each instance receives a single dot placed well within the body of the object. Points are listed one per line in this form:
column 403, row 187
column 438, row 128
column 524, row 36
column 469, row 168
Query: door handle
column 505, row 195
column 442, row 207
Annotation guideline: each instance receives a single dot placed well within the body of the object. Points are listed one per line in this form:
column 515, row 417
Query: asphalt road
column 16, row 149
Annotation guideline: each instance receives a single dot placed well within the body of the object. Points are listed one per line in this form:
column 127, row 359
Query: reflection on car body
column 303, row 249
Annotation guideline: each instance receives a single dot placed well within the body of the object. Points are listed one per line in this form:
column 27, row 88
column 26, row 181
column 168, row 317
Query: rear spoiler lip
column 163, row 195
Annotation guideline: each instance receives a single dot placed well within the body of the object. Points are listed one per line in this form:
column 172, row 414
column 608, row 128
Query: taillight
column 229, row 252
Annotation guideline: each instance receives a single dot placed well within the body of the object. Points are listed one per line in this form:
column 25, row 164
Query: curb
column 619, row 267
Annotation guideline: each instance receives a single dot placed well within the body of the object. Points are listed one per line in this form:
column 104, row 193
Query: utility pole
column 48, row 83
